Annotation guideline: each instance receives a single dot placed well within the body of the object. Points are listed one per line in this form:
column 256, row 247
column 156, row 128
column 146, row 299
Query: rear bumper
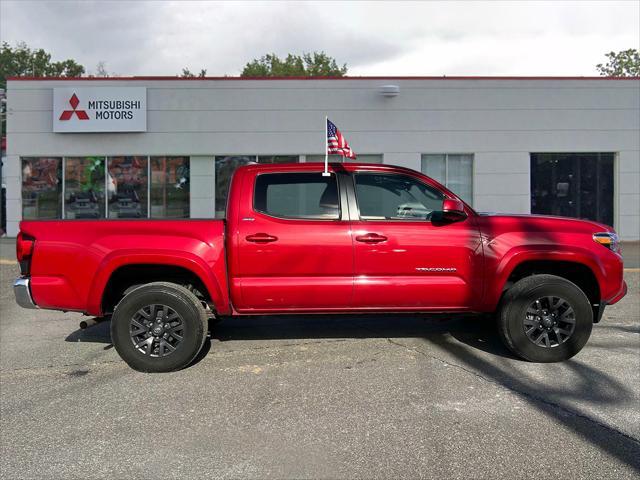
column 22, row 292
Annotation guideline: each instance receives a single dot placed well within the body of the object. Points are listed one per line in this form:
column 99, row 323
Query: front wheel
column 545, row 318
column 159, row 327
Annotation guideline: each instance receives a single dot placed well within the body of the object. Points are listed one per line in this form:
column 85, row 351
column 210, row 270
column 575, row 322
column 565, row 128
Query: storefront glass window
column 454, row 171
column 127, row 187
column 170, row 187
column 226, row 165
column 364, row 158
column 278, row 158
column 84, row 187
column 41, row 187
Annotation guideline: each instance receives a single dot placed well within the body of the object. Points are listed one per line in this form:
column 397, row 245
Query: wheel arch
column 577, row 267
column 116, row 274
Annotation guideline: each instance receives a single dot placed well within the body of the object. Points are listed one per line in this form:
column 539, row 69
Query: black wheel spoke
column 549, row 321
column 141, row 328
column 156, row 330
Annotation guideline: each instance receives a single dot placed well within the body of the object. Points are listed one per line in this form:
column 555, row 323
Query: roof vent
column 390, row 90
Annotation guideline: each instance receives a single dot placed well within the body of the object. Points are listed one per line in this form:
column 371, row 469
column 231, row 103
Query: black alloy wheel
column 545, row 318
column 159, row 327
column 549, row 321
column 156, row 330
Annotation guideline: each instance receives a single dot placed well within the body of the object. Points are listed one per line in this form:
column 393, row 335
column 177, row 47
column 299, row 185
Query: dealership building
column 146, row 147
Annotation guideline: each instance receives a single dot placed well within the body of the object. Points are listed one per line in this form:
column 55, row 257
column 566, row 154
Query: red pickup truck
column 364, row 238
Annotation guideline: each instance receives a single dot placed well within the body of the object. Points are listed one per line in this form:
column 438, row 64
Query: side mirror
column 453, row 210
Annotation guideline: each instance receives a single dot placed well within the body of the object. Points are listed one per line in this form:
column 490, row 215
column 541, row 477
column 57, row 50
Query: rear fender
column 186, row 260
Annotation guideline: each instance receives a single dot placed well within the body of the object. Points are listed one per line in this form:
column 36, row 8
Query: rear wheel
column 545, row 318
column 159, row 327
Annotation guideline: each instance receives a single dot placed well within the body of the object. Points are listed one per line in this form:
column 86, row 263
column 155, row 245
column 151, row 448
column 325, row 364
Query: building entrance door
column 576, row 185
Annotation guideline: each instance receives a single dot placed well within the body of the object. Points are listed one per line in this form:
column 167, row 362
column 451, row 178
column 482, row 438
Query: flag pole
column 326, row 150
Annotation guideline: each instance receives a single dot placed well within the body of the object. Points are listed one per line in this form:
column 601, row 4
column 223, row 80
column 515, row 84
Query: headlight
column 607, row 239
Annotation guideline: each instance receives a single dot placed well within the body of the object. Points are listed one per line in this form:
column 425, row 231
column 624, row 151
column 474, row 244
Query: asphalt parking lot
column 318, row 397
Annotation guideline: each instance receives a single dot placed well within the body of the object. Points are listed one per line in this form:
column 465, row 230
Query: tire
column 159, row 327
column 530, row 308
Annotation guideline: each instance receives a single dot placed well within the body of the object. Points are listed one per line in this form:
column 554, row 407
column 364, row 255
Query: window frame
column 355, row 206
column 341, row 198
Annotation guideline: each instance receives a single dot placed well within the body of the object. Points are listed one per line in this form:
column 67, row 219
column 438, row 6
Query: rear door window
column 297, row 195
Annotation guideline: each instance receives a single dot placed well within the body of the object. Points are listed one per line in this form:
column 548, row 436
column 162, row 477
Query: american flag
column 336, row 143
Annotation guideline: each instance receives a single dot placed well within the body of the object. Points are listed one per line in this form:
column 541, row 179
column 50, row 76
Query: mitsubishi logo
column 67, row 114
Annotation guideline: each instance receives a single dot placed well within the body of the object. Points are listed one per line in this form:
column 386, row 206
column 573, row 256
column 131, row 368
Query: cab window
column 383, row 196
column 297, row 195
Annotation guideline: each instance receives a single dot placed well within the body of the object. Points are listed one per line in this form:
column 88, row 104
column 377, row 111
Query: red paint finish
column 255, row 263
column 74, row 259
column 420, row 265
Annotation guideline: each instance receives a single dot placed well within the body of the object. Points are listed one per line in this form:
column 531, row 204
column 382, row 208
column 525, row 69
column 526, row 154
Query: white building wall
column 500, row 121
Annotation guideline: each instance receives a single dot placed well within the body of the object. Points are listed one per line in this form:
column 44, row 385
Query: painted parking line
column 632, row 269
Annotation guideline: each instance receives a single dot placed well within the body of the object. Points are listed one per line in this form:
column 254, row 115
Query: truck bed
column 73, row 259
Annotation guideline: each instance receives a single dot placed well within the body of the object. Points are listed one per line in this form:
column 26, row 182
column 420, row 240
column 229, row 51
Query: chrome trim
column 22, row 292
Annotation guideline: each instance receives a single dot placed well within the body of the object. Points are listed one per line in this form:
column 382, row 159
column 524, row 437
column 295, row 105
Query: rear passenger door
column 294, row 246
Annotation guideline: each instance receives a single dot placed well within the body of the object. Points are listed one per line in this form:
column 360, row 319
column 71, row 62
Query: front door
column 406, row 256
column 294, row 246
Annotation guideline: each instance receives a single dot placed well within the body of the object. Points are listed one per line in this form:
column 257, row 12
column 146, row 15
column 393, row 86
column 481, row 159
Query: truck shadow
column 476, row 332
column 470, row 343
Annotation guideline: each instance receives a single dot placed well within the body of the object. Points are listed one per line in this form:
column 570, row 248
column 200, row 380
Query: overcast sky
column 373, row 38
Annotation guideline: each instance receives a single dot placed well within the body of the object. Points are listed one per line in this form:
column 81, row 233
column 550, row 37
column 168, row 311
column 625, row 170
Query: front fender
column 504, row 267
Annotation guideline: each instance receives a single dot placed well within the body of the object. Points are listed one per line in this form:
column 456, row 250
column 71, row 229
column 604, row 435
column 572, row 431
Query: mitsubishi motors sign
column 100, row 109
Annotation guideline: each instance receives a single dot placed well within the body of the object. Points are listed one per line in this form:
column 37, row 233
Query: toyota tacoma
column 362, row 239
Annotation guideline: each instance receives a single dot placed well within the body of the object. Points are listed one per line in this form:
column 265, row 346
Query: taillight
column 24, row 250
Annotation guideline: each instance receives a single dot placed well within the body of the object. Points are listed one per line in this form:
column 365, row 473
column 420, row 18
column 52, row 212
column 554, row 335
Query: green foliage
column 625, row 63
column 186, row 73
column 21, row 61
column 316, row 64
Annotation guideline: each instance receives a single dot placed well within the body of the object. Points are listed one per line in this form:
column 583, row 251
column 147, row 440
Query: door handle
column 371, row 238
column 261, row 238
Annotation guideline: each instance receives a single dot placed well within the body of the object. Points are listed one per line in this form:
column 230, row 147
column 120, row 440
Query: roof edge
column 168, row 78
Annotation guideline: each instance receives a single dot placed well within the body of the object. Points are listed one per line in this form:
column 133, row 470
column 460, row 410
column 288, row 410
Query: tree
column 316, row 64
column 625, row 63
column 186, row 73
column 101, row 69
column 21, row 61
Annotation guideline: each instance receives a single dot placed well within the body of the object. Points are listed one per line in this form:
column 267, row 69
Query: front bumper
column 618, row 296
column 22, row 292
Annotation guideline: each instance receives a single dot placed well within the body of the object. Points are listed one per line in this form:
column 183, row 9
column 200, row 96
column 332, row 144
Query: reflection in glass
column 170, row 187
column 84, row 187
column 127, row 187
column 225, row 166
column 41, row 187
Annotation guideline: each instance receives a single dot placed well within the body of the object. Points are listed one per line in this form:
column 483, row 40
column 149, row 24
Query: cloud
column 373, row 38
